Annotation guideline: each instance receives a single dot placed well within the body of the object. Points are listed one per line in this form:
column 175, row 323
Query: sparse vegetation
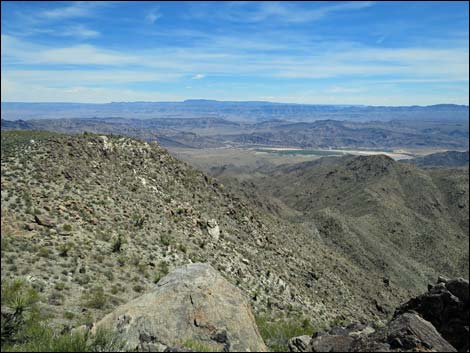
column 197, row 346
column 95, row 298
column 276, row 332
column 109, row 259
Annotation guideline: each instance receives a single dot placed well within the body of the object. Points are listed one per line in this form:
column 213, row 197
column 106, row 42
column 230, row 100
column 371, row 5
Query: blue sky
column 377, row 53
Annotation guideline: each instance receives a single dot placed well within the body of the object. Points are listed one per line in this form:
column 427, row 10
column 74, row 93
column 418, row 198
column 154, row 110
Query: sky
column 361, row 52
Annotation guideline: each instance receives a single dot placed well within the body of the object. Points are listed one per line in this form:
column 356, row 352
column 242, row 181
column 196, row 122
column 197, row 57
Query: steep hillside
column 93, row 221
column 449, row 159
column 386, row 217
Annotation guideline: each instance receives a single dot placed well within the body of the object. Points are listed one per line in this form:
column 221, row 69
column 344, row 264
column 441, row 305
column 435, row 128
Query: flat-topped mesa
column 192, row 306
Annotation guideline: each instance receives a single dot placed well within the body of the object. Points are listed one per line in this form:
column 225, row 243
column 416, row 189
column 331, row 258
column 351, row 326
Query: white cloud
column 95, row 66
column 59, row 78
column 18, row 51
column 215, row 59
column 287, row 11
column 18, row 92
column 76, row 9
column 153, row 16
column 79, row 31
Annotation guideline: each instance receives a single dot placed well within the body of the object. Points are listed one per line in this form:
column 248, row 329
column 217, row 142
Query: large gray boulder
column 194, row 307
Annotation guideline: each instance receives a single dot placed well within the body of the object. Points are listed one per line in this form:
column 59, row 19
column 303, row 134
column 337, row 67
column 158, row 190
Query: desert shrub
column 118, row 243
column 67, row 228
column 55, row 298
column 122, row 260
column 44, row 339
column 60, row 286
column 19, row 302
column 82, row 279
column 165, row 239
column 4, row 244
column 197, row 346
column 115, row 289
column 138, row 288
column 277, row 332
column 69, row 315
column 64, row 249
column 162, row 270
column 44, row 252
column 95, row 298
column 182, row 248
column 139, row 220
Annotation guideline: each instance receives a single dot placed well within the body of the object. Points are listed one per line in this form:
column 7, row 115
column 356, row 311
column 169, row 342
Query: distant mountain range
column 239, row 111
column 217, row 132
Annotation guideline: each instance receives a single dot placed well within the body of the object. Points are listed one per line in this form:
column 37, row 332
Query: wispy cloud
column 340, row 61
column 76, row 9
column 285, row 11
column 79, row 31
column 153, row 15
column 15, row 50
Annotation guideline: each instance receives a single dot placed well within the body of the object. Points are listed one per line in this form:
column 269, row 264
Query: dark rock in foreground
column 446, row 306
column 437, row 321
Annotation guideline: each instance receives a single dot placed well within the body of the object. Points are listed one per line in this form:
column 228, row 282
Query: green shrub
column 138, row 288
column 118, row 243
column 44, row 252
column 139, row 220
column 67, row 228
column 157, row 277
column 4, row 245
column 95, row 298
column 60, row 286
column 165, row 239
column 182, row 248
column 277, row 332
column 122, row 260
column 64, row 249
column 197, row 346
column 163, row 268
column 20, row 301
column 69, row 315
column 43, row 339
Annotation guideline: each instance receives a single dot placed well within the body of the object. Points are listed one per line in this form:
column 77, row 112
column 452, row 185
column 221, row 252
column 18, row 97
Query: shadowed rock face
column 446, row 306
column 436, row 321
column 191, row 304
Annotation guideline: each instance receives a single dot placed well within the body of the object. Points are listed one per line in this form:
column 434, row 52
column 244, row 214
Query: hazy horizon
column 236, row 101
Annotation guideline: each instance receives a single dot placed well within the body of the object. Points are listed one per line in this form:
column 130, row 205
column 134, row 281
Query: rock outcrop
column 437, row 321
column 407, row 332
column 446, row 306
column 192, row 306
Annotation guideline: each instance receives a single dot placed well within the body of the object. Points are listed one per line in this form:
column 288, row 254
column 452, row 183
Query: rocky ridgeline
column 93, row 222
column 437, row 321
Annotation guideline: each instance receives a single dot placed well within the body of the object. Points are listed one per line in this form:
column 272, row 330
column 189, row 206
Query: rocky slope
column 449, row 159
column 404, row 223
column 94, row 221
